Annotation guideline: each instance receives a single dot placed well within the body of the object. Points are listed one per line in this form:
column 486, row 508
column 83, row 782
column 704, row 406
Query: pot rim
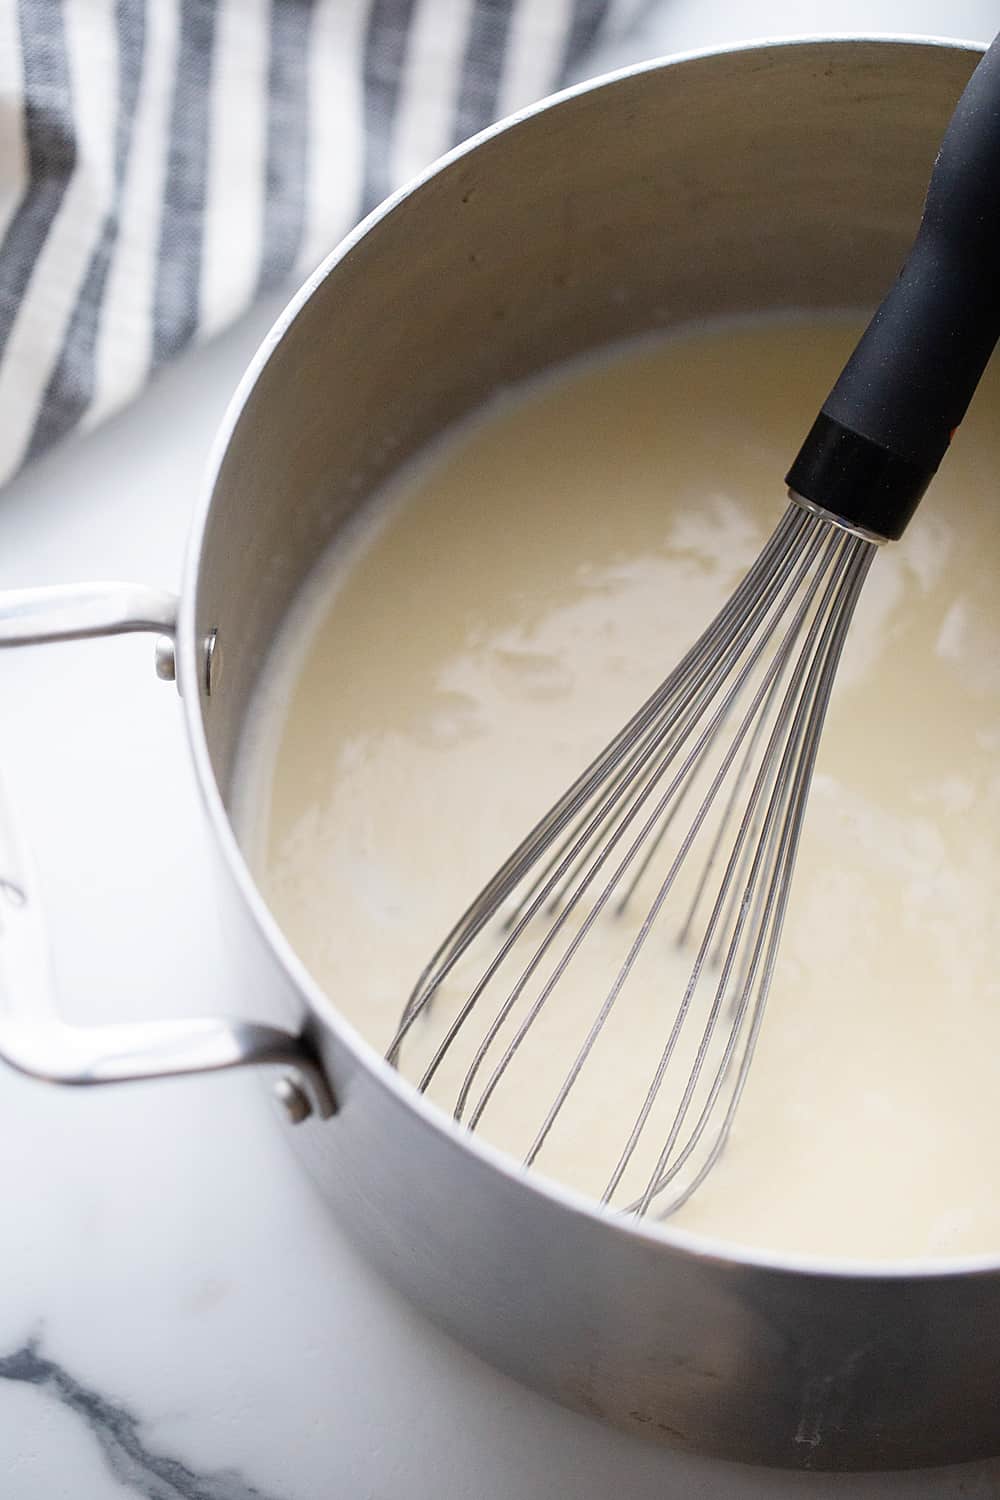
column 705, row 1248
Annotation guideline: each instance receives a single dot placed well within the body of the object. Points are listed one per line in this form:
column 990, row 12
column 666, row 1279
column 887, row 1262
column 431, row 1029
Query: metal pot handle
column 39, row 1043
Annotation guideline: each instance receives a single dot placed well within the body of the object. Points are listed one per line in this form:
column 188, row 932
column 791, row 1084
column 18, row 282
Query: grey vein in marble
column 117, row 1431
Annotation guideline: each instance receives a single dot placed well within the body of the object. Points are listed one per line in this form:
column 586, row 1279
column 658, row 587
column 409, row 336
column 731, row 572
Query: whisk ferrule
column 840, row 522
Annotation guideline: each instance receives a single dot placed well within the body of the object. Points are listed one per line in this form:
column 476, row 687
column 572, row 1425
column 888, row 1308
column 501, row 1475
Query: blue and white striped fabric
column 162, row 161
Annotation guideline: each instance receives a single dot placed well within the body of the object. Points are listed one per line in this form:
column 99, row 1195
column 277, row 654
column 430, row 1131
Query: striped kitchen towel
column 162, row 161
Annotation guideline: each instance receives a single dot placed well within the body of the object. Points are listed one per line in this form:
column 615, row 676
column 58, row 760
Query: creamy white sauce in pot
column 487, row 623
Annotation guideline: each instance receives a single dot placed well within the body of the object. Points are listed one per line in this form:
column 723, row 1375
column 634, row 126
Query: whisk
column 697, row 805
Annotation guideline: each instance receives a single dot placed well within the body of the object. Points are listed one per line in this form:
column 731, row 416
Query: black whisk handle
column 887, row 423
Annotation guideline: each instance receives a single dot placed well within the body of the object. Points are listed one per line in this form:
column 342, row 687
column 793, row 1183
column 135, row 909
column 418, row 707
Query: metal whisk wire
column 765, row 665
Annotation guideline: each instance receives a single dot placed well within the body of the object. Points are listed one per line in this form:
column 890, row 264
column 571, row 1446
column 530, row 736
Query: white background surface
column 158, row 1247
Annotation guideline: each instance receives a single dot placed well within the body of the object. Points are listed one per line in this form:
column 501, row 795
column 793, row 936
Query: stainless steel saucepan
column 772, row 176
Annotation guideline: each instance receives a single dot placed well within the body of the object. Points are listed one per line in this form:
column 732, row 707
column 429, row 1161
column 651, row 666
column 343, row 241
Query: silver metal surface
column 769, row 177
column 623, row 207
column 32, row 1037
column 213, row 662
column 293, row 1099
column 709, row 780
column 812, row 509
column 73, row 612
column 56, row 1053
column 166, row 661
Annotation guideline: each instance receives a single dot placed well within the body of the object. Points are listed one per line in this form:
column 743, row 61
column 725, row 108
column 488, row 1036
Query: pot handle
column 37, row 1042
column 77, row 611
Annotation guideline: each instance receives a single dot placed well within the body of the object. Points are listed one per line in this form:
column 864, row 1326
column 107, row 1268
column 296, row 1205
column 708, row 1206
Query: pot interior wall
column 774, row 177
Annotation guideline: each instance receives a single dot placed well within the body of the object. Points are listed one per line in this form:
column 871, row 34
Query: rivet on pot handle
column 34, row 1040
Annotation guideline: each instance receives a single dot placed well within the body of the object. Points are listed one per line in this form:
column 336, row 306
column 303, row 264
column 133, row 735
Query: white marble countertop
column 179, row 1317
